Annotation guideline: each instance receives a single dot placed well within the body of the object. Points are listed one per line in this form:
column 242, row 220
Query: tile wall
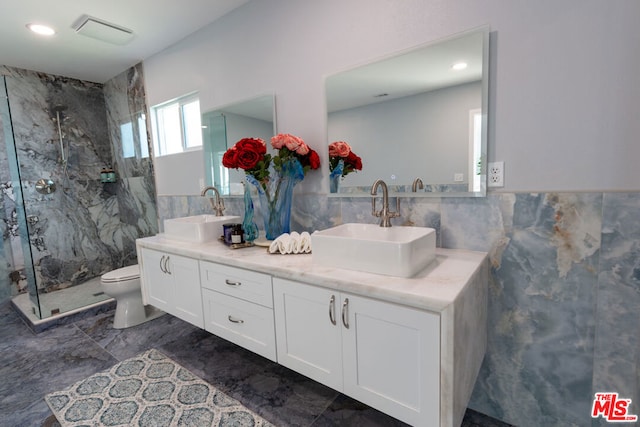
column 564, row 292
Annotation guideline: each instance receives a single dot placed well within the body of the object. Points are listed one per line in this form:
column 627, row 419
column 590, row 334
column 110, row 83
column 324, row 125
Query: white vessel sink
column 198, row 228
column 393, row 251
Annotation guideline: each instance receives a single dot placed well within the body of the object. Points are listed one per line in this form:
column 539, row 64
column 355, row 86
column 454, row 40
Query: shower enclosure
column 64, row 228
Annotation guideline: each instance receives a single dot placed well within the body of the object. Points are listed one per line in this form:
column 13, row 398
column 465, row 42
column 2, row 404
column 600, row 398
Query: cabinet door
column 308, row 331
column 172, row 283
column 391, row 358
column 157, row 285
column 187, row 297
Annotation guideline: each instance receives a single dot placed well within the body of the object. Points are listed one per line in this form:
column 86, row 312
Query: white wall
column 176, row 174
column 564, row 93
column 398, row 139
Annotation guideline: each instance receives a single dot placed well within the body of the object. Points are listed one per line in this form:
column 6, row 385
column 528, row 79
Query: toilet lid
column 121, row 274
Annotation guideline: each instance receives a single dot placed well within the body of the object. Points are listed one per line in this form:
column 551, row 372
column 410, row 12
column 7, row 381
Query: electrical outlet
column 495, row 174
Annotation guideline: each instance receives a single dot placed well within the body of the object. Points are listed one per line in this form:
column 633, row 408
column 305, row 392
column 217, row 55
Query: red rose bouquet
column 341, row 151
column 273, row 176
column 250, row 154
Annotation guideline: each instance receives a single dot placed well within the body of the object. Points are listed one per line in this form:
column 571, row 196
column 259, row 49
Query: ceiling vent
column 103, row 30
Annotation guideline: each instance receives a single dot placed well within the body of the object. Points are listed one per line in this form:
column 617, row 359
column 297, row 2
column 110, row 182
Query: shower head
column 57, row 112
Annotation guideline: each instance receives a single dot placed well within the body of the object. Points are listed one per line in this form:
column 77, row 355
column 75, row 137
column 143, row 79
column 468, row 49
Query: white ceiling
column 156, row 24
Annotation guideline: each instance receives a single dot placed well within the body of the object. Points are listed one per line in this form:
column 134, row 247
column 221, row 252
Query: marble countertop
column 433, row 289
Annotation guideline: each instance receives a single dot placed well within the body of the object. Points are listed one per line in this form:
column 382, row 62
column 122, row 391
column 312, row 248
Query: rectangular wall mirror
column 415, row 116
column 223, row 127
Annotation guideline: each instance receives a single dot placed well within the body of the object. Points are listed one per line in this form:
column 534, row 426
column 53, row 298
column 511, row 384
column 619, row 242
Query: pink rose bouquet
column 340, row 150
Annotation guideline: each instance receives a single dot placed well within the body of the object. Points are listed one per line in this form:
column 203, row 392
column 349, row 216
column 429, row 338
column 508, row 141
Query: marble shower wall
column 130, row 142
column 84, row 228
column 564, row 297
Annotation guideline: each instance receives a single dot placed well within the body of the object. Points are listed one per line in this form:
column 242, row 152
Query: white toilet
column 123, row 285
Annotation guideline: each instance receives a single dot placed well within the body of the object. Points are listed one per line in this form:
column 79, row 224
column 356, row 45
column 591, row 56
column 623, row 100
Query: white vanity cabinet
column 172, row 283
column 409, row 347
column 238, row 306
column 382, row 354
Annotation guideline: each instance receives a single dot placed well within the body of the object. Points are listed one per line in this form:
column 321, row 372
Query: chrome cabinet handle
column 231, row 283
column 345, row 314
column 166, row 265
column 232, row 320
column 332, row 309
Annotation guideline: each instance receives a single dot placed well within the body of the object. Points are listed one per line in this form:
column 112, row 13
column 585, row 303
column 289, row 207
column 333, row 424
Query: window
column 176, row 126
column 134, row 138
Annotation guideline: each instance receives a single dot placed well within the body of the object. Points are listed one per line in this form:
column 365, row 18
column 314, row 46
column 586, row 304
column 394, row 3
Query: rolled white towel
column 305, row 242
column 273, row 247
column 284, row 242
column 290, row 245
column 295, row 242
column 280, row 244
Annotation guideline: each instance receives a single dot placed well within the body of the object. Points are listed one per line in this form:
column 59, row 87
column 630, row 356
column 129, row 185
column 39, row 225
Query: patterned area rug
column 148, row 390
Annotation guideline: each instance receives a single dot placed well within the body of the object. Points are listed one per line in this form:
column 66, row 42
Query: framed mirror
column 418, row 120
column 223, row 127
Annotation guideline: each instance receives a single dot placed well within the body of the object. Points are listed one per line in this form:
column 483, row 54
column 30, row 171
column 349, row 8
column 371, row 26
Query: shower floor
column 64, row 302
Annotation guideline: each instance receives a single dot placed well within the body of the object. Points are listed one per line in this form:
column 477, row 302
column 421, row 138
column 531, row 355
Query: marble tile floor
column 32, row 365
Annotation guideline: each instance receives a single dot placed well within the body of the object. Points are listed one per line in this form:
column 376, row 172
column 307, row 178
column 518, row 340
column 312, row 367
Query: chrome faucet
column 417, row 184
column 385, row 214
column 218, row 205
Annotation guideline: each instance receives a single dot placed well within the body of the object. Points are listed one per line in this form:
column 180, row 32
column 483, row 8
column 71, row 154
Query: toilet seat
column 120, row 275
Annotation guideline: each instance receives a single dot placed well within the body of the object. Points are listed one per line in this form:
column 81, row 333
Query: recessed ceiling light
column 43, row 30
column 459, row 66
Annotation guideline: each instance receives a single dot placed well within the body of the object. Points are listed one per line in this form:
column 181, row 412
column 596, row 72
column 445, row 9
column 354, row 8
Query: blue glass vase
column 335, row 176
column 276, row 195
column 248, row 225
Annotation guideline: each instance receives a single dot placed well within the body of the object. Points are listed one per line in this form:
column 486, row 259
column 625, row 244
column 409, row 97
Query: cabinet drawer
column 246, row 324
column 236, row 282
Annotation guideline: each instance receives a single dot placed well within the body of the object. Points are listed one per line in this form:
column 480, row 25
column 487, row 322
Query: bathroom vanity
column 409, row 347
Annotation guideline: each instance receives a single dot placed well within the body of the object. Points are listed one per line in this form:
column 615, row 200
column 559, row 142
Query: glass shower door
column 16, row 248
column 70, row 221
column 64, row 132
